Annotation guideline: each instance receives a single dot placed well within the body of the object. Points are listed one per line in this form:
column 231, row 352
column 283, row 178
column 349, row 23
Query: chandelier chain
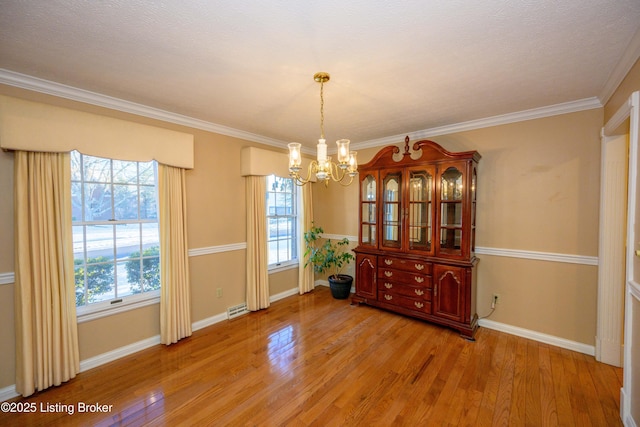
column 322, row 109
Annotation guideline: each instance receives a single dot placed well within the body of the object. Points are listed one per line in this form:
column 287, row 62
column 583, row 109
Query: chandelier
column 324, row 168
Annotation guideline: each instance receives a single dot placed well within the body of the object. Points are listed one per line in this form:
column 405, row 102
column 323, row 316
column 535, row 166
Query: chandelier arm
column 346, row 184
column 300, row 181
column 339, row 175
column 335, row 172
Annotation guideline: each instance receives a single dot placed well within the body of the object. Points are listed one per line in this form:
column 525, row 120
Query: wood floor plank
column 561, row 388
column 505, row 390
column 312, row 360
column 518, row 400
column 548, row 402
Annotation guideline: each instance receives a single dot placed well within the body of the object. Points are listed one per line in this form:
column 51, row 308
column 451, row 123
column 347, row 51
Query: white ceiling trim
column 56, row 89
column 534, row 113
column 52, row 88
column 631, row 55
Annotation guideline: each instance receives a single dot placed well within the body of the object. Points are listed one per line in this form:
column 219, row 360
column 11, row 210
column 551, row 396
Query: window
column 282, row 221
column 116, row 242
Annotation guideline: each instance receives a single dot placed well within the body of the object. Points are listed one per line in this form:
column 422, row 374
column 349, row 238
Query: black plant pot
column 340, row 286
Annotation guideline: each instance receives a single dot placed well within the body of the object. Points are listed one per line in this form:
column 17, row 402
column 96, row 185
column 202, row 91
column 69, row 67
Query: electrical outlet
column 219, row 292
column 494, row 300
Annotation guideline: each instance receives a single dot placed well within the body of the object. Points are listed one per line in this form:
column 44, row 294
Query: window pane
column 76, row 170
column 151, row 269
column 132, row 274
column 76, row 201
column 100, row 281
column 81, row 295
column 124, row 287
column 97, row 202
column 148, row 202
column 96, row 169
column 99, row 242
column 150, row 235
column 125, row 201
column 125, row 172
column 273, row 252
column 78, row 242
column 127, row 239
column 147, row 173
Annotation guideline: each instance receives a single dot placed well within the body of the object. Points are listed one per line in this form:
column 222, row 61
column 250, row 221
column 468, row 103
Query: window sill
column 283, row 266
column 104, row 309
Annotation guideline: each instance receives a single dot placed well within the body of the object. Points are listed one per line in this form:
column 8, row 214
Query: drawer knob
column 388, row 285
column 419, row 279
column 388, row 273
column 388, row 261
column 419, row 267
column 388, row 297
column 419, row 304
column 419, row 291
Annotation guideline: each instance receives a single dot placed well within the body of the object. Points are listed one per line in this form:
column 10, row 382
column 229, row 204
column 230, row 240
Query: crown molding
column 629, row 58
column 519, row 116
column 24, row 81
column 35, row 84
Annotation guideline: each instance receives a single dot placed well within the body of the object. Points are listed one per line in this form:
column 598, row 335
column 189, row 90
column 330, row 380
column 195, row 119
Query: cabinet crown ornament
column 423, row 150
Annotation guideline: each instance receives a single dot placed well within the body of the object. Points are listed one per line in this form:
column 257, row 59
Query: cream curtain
column 45, row 310
column 175, row 299
column 305, row 212
column 257, row 259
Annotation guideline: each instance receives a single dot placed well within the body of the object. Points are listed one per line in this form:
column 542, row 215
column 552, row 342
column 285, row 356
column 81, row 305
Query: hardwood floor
column 313, row 360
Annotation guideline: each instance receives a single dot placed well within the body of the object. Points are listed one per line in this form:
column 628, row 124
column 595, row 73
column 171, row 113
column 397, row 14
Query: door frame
column 630, row 390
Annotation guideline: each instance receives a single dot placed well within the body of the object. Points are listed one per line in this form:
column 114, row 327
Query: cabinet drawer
column 400, row 289
column 405, row 302
column 405, row 264
column 398, row 276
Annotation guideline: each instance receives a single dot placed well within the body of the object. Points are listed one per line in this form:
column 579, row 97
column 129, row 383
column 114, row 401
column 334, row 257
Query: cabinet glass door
column 391, row 210
column 420, row 209
column 368, row 210
column 451, row 210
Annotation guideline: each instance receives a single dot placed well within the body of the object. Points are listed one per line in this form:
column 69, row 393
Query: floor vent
column 237, row 310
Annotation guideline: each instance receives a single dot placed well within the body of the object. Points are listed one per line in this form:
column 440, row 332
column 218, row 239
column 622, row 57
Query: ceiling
column 396, row 67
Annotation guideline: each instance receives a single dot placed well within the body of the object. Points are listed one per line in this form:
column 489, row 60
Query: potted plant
column 329, row 257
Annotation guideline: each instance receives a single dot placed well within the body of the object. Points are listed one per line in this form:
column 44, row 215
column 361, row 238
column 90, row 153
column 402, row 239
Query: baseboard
column 93, row 362
column 8, row 392
column 285, row 294
column 538, row 336
column 116, row 354
column 200, row 324
column 625, row 409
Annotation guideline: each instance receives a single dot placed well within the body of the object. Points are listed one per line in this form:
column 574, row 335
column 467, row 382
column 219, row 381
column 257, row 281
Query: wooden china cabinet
column 417, row 234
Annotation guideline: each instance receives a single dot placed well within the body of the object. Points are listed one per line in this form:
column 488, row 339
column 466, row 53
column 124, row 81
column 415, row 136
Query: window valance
column 258, row 162
column 33, row 126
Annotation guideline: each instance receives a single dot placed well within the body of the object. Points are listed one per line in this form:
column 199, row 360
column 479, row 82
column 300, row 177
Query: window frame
column 118, row 303
column 293, row 262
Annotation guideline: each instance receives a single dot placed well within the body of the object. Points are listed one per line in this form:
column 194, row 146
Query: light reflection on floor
column 281, row 350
